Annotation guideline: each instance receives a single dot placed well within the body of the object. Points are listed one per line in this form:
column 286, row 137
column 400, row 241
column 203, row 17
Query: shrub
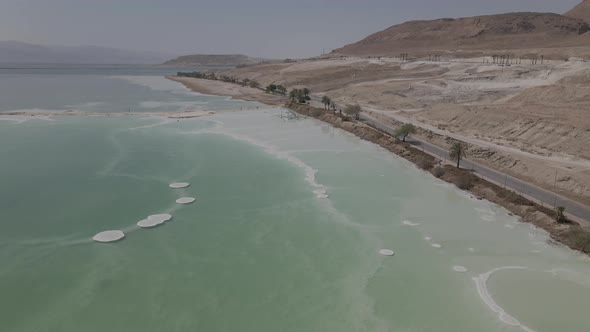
column 464, row 182
column 438, row 171
column 578, row 238
column 425, row 164
column 515, row 198
column 353, row 110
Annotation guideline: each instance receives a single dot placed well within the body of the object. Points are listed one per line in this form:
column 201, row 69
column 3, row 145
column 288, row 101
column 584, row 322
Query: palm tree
column 326, row 101
column 457, row 152
column 560, row 215
column 293, row 95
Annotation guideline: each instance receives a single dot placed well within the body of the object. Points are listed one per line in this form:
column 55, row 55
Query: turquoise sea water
column 258, row 250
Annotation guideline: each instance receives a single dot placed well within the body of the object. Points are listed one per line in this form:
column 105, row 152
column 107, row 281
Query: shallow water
column 93, row 93
column 258, row 250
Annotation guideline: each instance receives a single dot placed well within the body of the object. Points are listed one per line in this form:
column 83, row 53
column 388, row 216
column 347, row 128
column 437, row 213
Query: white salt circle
column 428, row 238
column 108, row 236
column 386, row 252
column 149, row 223
column 160, row 218
column 179, row 185
column 436, row 245
column 460, row 269
column 185, row 200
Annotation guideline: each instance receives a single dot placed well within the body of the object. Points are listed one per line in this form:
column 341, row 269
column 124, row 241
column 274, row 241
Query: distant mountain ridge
column 16, row 52
column 511, row 31
column 220, row 60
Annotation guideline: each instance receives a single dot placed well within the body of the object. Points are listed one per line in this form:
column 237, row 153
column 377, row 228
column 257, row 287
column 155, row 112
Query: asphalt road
column 579, row 211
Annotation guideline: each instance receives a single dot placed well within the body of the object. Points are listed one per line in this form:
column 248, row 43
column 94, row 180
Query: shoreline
column 570, row 234
column 217, row 88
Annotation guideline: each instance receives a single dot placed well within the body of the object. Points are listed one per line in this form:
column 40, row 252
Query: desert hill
column 475, row 35
column 581, row 11
column 219, row 60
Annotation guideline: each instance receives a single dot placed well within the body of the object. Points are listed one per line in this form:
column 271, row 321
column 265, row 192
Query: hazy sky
column 269, row 28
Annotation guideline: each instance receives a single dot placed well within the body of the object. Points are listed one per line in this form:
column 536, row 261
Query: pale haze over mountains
column 257, row 28
column 14, row 52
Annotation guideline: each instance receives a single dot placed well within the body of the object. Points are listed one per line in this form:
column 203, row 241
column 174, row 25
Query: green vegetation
column 457, row 152
column 276, row 89
column 300, row 95
column 464, row 181
column 438, row 172
column 560, row 215
column 211, row 76
column 425, row 164
column 353, row 110
column 405, row 130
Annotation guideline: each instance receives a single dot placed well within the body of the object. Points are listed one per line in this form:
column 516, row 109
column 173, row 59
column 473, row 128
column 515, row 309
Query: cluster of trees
column 276, row 88
column 353, row 111
column 328, row 103
column 197, row 74
column 300, row 95
column 211, row 76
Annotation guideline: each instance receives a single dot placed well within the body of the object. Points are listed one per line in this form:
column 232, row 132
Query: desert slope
column 581, row 11
column 518, row 33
